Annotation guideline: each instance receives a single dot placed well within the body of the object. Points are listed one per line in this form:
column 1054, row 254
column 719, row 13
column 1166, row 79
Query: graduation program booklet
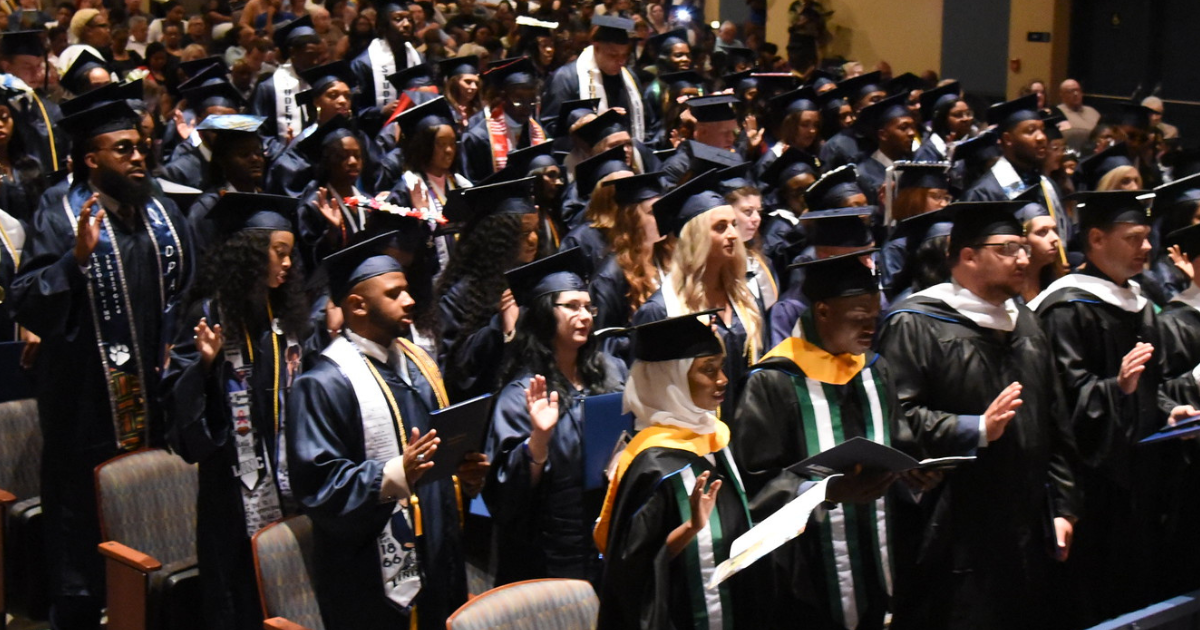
column 1184, row 428
column 784, row 525
column 872, row 456
column 462, row 428
column 603, row 426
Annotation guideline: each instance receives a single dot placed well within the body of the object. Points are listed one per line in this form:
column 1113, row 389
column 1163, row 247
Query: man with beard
column 387, row 547
column 599, row 72
column 275, row 98
column 507, row 123
column 1109, row 356
column 391, row 51
column 975, row 376
column 102, row 301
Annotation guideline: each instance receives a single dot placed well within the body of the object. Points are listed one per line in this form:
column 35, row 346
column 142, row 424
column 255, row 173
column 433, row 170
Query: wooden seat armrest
column 279, row 623
column 7, row 497
column 129, row 557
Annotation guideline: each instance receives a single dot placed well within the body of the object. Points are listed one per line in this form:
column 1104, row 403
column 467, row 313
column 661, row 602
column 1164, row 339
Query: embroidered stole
column 112, row 312
column 383, row 64
column 592, row 86
column 288, row 114
column 497, row 129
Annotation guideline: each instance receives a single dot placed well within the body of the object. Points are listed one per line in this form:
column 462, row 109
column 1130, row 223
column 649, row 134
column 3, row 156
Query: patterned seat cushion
column 282, row 556
column 530, row 605
column 20, row 448
column 147, row 501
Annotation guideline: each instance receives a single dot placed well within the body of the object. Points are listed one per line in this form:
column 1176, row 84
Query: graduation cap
column 832, row 190
column 214, row 93
column 333, row 130
column 297, row 32
column 412, row 77
column 923, row 175
column 857, row 88
column 658, row 43
column 601, row 127
column 678, row 81
column 1133, row 115
column 1033, row 205
column 183, row 196
column 636, row 188
column 571, row 111
column 321, row 77
column 211, row 72
column 1051, row 126
column 789, row 164
column 454, row 66
column 732, row 178
column 771, row 84
column 1094, row 168
column 676, row 338
column 979, row 149
column 800, row 100
column 522, row 162
column 716, row 108
column 22, row 43
column 510, row 197
column 128, row 91
column 1097, row 209
column 1167, row 196
column 432, row 113
column 408, row 233
column 905, row 84
column 940, row 96
column 75, row 79
column 683, row 203
column 358, row 263
column 518, row 72
column 736, row 54
column 819, row 79
column 232, row 123
column 1009, row 114
column 103, row 118
column 706, row 157
column 611, row 29
column 1188, row 240
column 195, row 66
column 239, row 212
column 844, row 275
column 877, row 116
column 565, row 271
column 975, row 221
column 928, row 225
column 741, row 82
column 589, row 172
column 840, row 227
column 831, row 100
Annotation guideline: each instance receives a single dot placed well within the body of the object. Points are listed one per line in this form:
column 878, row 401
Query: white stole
column 592, row 86
column 383, row 64
column 983, row 313
column 1128, row 298
column 288, row 114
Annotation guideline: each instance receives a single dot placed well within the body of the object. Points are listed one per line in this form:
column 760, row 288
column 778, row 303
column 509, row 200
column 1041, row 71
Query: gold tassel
column 459, row 498
column 416, row 507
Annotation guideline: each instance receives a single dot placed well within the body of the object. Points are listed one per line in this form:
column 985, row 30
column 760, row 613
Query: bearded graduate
column 105, row 244
column 806, row 396
column 708, row 271
column 599, row 72
column 975, row 376
column 225, row 390
column 387, row 547
column 676, row 503
column 536, row 494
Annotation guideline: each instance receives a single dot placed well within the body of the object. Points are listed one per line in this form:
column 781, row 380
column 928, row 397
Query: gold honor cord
column 49, row 127
column 275, row 349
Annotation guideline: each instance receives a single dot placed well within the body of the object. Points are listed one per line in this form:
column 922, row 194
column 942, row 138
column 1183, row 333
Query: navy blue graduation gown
column 543, row 531
column 844, row 147
column 871, row 173
column 32, row 127
column 262, row 103
column 574, row 206
column 674, row 167
column 365, row 108
column 50, row 298
column 591, row 242
column 470, row 359
column 187, row 166
column 986, row 188
column 204, row 230
column 338, row 487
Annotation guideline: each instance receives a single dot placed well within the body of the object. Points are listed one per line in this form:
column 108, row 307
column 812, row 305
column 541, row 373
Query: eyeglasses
column 125, row 149
column 576, row 309
column 1010, row 249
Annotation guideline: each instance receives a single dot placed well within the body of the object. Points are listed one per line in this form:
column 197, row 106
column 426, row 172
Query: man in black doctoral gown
column 387, row 546
column 975, row 376
column 1109, row 357
column 102, row 304
column 838, row 574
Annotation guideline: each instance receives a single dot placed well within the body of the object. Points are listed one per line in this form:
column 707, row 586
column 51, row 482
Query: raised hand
column 182, row 126
column 418, row 457
column 420, row 198
column 332, row 214
column 1182, row 261
column 208, row 341
column 754, row 135
column 87, row 233
column 702, row 500
column 1001, row 411
column 543, row 415
column 509, row 311
column 1132, row 366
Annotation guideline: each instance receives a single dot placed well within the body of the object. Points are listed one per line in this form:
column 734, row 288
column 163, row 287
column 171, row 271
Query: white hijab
column 657, row 393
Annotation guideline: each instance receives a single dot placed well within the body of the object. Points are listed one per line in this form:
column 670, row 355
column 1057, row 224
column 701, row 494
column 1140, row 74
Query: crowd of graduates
column 277, row 240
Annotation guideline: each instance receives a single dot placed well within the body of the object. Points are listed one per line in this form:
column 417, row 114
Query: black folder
column 844, row 457
column 462, row 428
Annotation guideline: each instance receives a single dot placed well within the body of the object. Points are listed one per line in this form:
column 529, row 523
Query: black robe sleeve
column 562, row 87
column 471, row 358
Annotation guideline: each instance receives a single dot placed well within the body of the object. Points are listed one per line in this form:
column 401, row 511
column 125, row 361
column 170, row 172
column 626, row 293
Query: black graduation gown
column 562, row 87
column 609, row 290
column 471, row 361
column 476, row 149
column 768, row 437
column 674, row 167
column 1179, row 327
column 17, row 199
column 204, row 231
column 983, row 559
column 365, row 107
column 643, row 587
column 338, row 487
column 49, row 297
column 543, row 531
column 844, row 147
column 1117, row 552
column 574, row 206
column 200, row 429
column 591, row 242
column 187, row 166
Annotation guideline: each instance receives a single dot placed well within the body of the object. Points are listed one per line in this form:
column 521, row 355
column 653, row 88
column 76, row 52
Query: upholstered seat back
column 147, row 501
column 282, row 558
column 530, row 605
column 20, row 448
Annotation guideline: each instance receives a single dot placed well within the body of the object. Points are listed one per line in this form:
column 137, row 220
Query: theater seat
column 530, row 605
column 147, row 504
column 282, row 559
column 23, row 589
